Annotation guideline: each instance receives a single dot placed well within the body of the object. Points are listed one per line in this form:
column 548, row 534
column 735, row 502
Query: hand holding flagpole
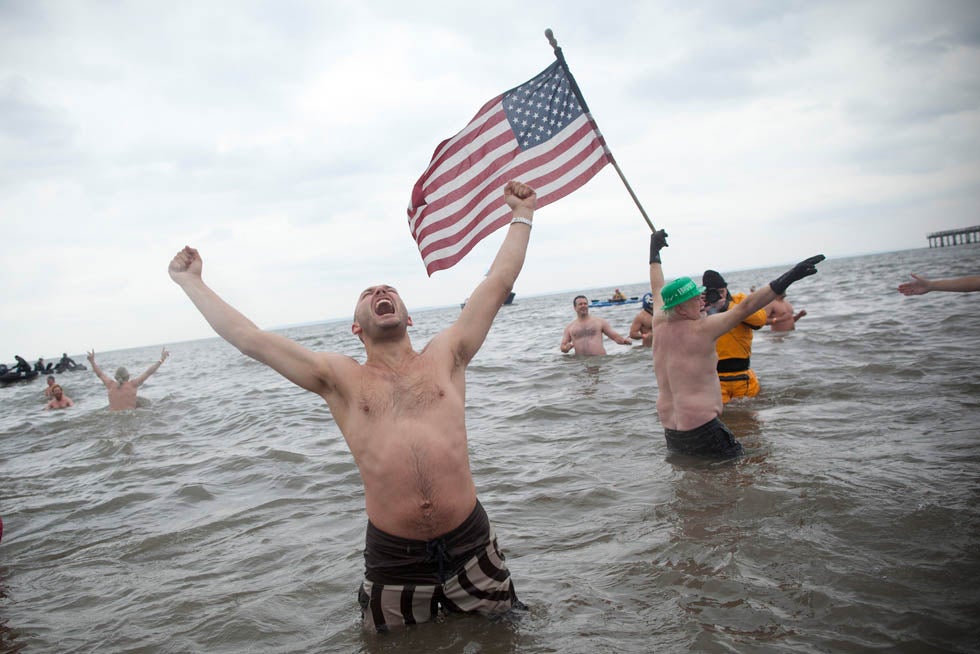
column 578, row 94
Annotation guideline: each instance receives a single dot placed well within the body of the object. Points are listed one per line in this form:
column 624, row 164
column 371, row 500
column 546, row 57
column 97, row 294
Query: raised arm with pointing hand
column 689, row 401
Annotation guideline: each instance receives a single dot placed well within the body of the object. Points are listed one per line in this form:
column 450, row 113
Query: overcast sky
column 283, row 139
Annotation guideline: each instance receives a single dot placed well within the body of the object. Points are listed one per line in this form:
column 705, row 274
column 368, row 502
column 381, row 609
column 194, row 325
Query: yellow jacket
column 735, row 348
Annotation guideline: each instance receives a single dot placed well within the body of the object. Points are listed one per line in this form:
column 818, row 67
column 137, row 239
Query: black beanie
column 712, row 279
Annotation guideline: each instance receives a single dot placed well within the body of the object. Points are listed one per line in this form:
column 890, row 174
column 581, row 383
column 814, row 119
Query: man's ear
column 409, row 321
column 355, row 329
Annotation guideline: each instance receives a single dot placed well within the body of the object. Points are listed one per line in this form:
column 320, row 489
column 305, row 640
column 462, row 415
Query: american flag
column 537, row 133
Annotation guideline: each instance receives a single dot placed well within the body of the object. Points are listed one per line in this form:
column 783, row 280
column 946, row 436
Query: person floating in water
column 122, row 389
column 642, row 326
column 51, row 384
column 780, row 316
column 689, row 399
column 921, row 285
column 734, row 347
column 58, row 399
column 429, row 544
column 584, row 334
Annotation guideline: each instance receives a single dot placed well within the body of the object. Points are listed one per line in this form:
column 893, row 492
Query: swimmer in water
column 642, row 327
column 58, row 399
column 122, row 389
column 584, row 334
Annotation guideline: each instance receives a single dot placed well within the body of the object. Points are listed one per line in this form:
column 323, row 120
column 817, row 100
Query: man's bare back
column 122, row 396
column 122, row 389
column 684, row 362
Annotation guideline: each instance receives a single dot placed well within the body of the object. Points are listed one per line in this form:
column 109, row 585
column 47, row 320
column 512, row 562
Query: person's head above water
column 122, row 375
column 380, row 314
column 581, row 305
column 648, row 302
column 679, row 291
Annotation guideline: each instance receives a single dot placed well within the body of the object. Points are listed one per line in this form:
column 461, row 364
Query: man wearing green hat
column 684, row 356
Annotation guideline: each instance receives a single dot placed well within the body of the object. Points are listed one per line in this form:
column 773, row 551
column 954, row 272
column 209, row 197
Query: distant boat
column 612, row 303
column 509, row 300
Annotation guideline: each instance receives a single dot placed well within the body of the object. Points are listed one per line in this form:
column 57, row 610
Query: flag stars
column 540, row 109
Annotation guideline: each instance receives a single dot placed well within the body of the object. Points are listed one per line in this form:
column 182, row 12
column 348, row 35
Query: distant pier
column 954, row 237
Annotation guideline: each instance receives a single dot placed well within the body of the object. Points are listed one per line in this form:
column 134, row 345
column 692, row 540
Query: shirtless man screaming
column 429, row 543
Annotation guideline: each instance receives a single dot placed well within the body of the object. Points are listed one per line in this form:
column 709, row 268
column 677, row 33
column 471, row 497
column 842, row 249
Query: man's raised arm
column 293, row 361
column 152, row 369
column 98, row 371
column 658, row 241
column 476, row 318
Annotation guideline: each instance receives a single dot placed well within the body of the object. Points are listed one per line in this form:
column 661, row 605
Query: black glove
column 658, row 241
column 803, row 269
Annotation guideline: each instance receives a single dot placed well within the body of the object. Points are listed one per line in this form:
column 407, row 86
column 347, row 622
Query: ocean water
column 226, row 515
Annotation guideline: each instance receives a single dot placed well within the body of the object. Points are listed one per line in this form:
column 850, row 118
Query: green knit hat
column 679, row 290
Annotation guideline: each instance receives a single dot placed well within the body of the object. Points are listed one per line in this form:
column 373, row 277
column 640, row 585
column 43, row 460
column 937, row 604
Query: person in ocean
column 641, row 328
column 921, row 285
column 51, row 384
column 58, row 399
column 122, row 389
column 584, row 334
column 689, row 400
column 780, row 316
column 429, row 546
column 734, row 347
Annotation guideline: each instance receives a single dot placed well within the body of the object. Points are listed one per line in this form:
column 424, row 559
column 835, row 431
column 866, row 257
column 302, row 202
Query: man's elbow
column 249, row 342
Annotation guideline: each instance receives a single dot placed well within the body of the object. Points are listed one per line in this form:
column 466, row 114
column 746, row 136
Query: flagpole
column 578, row 94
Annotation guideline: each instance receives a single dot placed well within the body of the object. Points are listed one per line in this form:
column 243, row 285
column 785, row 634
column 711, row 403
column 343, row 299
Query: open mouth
column 383, row 307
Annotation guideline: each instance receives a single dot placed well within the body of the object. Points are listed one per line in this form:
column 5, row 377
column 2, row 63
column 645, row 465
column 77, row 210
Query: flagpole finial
column 551, row 37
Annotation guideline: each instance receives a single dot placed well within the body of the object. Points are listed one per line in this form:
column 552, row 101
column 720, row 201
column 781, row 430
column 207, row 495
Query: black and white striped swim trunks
column 410, row 581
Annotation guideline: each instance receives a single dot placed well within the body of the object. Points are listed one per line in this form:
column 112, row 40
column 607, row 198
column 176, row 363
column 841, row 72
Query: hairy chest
column 413, row 391
column 584, row 330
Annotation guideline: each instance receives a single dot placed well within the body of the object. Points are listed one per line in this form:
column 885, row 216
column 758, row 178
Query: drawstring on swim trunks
column 435, row 551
